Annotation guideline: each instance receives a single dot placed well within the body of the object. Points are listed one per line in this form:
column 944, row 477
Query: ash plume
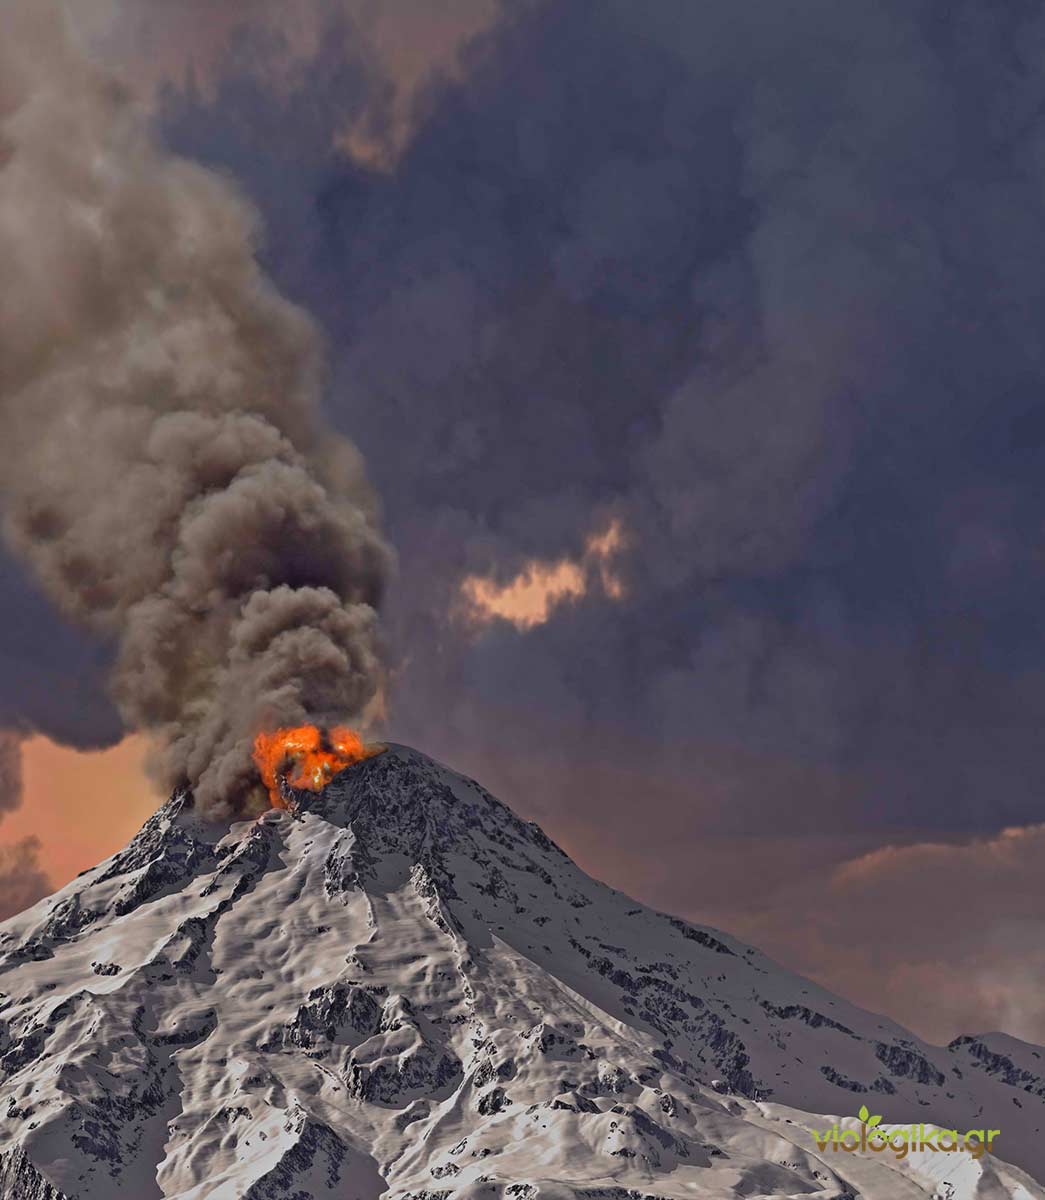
column 168, row 477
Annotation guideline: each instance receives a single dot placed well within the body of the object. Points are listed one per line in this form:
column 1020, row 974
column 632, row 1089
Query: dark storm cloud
column 762, row 281
column 52, row 678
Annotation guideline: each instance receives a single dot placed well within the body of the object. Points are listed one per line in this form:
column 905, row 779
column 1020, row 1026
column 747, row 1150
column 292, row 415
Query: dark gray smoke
column 22, row 881
column 10, row 770
column 167, row 474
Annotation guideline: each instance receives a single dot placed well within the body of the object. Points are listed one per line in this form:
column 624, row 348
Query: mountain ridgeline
column 399, row 989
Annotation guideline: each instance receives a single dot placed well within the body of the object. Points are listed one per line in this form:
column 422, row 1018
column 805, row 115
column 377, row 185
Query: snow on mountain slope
column 404, row 991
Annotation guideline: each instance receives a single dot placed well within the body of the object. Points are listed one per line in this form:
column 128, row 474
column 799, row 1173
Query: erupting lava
column 306, row 757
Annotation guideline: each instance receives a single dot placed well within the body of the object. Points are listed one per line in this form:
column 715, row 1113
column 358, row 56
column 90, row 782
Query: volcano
column 396, row 988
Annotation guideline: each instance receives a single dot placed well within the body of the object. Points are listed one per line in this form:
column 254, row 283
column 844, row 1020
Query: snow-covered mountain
column 402, row 990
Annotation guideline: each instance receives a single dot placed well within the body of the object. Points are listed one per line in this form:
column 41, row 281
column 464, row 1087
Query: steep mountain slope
column 400, row 989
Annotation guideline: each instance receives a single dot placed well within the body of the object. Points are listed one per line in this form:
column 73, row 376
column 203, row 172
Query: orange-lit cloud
column 415, row 41
column 82, row 806
column 532, row 596
column 943, row 936
column 152, row 43
column 601, row 549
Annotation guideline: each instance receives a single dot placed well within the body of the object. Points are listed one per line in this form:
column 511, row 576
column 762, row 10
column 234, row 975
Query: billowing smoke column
column 165, row 470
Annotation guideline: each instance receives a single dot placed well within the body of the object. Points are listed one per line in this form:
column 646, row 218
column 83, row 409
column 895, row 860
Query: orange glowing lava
column 306, row 757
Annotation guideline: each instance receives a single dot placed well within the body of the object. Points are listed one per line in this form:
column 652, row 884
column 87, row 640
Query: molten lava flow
column 306, row 757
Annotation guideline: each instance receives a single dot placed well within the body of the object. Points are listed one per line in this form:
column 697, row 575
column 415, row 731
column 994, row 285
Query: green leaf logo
column 863, row 1113
column 874, row 1121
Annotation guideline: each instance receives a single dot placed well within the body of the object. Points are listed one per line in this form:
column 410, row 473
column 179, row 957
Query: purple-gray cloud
column 761, row 284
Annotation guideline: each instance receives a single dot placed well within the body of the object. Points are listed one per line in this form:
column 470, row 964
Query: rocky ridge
column 400, row 989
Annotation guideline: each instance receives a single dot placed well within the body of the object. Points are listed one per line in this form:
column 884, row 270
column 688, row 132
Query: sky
column 695, row 356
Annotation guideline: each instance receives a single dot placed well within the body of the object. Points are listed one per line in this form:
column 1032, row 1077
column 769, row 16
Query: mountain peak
column 405, row 801
column 397, row 987
column 397, row 801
